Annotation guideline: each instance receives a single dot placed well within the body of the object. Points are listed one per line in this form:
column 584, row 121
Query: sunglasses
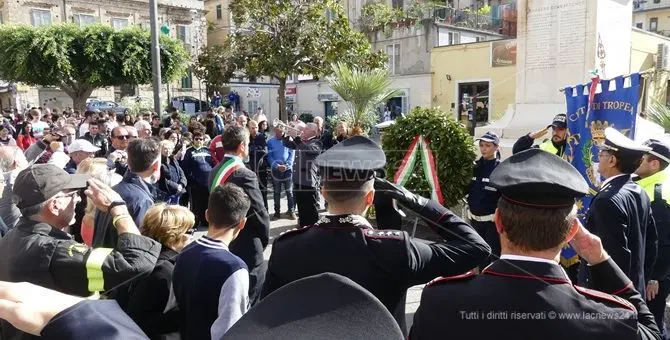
column 198, row 139
column 122, row 137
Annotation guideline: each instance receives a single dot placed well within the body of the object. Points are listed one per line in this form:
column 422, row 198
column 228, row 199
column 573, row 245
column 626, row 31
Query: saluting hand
column 539, row 133
column 588, row 246
column 101, row 195
column 401, row 195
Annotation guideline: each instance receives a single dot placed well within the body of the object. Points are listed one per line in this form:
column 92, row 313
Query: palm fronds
column 363, row 90
column 659, row 113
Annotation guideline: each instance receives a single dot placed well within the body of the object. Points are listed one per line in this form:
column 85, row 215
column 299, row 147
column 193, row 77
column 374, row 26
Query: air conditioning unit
column 662, row 57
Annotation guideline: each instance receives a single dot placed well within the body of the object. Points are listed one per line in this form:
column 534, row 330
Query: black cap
column 354, row 159
column 331, row 307
column 626, row 147
column 659, row 149
column 560, row 121
column 490, row 137
column 39, row 182
column 538, row 179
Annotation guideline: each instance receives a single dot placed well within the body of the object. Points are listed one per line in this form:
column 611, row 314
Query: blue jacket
column 210, row 285
column 197, row 164
column 137, row 195
column 482, row 197
column 279, row 154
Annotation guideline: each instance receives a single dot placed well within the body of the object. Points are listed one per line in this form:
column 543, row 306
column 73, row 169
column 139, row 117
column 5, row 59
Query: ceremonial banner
column 590, row 110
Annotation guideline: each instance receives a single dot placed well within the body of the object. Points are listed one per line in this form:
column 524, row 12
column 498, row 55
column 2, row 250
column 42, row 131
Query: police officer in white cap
column 620, row 213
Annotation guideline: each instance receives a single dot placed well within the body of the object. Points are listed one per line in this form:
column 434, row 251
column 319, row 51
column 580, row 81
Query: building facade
column 183, row 18
column 488, row 69
column 409, row 45
column 652, row 15
column 259, row 94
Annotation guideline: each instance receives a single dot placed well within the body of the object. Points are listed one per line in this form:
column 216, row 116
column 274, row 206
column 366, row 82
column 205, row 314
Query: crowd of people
column 96, row 208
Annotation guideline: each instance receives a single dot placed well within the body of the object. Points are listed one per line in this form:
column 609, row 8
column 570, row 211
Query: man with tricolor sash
column 40, row 251
column 254, row 238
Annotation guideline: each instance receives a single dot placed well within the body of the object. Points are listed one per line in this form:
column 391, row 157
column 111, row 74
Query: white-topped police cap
column 659, row 149
column 356, row 158
column 618, row 142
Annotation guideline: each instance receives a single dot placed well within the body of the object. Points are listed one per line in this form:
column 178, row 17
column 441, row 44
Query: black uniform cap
column 330, row 306
column 538, row 179
column 560, row 121
column 354, row 159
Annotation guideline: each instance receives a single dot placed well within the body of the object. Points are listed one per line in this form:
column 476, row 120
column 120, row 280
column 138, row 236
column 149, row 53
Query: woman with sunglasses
column 150, row 305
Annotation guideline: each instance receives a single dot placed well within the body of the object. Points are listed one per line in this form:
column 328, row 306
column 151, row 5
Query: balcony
column 500, row 20
column 647, row 5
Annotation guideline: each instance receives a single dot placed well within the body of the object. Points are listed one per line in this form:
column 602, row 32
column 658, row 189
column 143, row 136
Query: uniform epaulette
column 396, row 235
column 292, row 231
column 604, row 296
column 467, row 276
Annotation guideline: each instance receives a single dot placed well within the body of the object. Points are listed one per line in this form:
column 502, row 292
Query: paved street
column 279, row 226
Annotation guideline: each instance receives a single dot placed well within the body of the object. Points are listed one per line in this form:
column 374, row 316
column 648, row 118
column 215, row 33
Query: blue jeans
column 280, row 180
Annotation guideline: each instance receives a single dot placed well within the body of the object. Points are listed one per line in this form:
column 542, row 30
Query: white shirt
column 526, row 258
column 605, row 182
column 38, row 128
column 83, row 128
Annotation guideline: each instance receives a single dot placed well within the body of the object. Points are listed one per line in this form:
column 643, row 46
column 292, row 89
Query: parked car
column 200, row 105
column 104, row 105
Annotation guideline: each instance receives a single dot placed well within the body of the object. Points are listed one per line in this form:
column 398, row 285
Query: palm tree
column 363, row 91
column 659, row 113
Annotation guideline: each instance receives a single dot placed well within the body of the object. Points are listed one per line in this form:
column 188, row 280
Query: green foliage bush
column 452, row 146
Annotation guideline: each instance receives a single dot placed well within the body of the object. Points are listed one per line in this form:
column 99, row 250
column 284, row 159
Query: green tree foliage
column 284, row 37
column 659, row 113
column 79, row 60
column 363, row 91
column 216, row 65
column 453, row 149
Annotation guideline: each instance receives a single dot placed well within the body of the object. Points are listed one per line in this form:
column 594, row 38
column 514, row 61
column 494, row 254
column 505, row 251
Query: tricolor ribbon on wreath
column 420, row 146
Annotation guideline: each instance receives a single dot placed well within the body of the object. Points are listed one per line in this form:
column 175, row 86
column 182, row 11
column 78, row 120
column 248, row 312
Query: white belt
column 485, row 218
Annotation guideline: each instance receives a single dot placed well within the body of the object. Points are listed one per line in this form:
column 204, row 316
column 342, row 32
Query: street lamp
column 155, row 56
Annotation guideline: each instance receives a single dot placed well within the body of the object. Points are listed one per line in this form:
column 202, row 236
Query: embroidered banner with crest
column 590, row 109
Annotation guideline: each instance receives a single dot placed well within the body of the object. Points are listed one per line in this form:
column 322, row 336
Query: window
column 219, row 12
column 187, row 81
column 454, row 38
column 40, row 17
column 653, row 24
column 184, row 34
column 83, row 19
column 657, row 1
column 119, row 23
column 480, row 39
column 393, row 52
column 397, row 4
column 639, row 25
column 252, row 106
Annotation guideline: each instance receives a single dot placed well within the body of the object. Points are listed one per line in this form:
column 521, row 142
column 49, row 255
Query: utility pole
column 155, row 56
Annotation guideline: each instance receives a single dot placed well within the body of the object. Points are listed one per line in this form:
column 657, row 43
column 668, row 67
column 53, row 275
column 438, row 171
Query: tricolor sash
column 225, row 171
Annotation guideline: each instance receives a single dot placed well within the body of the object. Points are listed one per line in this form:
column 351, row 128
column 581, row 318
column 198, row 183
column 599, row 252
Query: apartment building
column 409, row 44
column 184, row 19
column 652, row 16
